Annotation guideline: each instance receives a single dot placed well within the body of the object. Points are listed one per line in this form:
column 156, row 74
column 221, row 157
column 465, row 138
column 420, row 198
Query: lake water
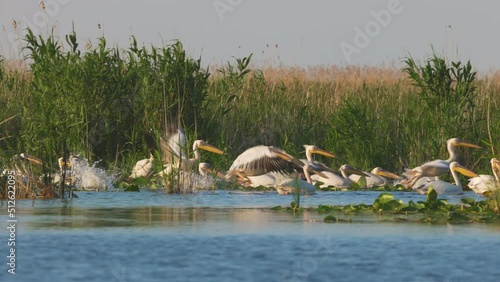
column 234, row 236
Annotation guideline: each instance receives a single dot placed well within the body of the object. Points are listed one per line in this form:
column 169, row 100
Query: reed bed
column 100, row 102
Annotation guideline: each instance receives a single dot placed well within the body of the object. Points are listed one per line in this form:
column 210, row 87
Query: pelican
column 172, row 144
column 289, row 185
column 374, row 178
column 143, row 168
column 260, row 160
column 484, row 183
column 438, row 167
column 442, row 187
column 186, row 164
column 336, row 180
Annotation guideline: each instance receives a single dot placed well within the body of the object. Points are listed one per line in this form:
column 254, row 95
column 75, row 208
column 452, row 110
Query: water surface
column 228, row 236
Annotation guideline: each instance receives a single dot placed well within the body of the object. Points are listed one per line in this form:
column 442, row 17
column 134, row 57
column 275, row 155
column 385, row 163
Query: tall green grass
column 100, row 102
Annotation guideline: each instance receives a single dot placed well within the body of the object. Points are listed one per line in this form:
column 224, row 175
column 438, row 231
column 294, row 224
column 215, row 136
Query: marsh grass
column 100, row 102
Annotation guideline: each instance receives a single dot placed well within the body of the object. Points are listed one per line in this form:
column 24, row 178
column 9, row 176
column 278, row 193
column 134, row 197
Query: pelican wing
column 172, row 144
column 263, row 159
column 176, row 141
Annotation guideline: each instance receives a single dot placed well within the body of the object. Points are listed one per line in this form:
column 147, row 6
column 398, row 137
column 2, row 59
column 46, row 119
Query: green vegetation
column 100, row 101
column 387, row 208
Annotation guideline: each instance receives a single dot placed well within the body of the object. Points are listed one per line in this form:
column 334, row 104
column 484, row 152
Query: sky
column 278, row 32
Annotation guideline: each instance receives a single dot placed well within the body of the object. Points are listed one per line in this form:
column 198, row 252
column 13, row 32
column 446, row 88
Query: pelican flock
column 273, row 167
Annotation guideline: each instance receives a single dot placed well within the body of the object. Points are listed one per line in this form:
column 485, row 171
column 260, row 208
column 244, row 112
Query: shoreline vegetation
column 101, row 101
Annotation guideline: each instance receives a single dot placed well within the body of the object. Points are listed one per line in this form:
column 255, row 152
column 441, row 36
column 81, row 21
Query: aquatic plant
column 387, row 208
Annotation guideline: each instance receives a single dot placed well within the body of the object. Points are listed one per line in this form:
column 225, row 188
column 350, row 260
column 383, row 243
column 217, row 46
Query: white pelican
column 289, row 185
column 186, row 164
column 375, row 178
column 336, row 180
column 143, row 168
column 484, row 183
column 438, row 167
column 260, row 160
column 442, row 187
column 172, row 145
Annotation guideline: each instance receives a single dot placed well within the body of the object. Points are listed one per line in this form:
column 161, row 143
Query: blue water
column 228, row 199
column 224, row 236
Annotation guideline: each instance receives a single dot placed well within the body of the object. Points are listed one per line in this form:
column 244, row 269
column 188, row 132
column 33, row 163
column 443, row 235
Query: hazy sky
column 304, row 33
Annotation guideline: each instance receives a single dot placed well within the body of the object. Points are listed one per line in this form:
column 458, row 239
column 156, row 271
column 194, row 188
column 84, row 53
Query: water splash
column 90, row 177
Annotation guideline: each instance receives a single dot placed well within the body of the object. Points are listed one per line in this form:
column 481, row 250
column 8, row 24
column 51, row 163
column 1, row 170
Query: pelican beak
column 351, row 170
column 210, row 148
column 314, row 171
column 319, row 151
column 465, row 171
column 467, row 144
column 388, row 174
column 32, row 159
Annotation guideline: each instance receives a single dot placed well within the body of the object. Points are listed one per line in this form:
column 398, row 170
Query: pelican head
column 463, row 170
column 311, row 149
column 207, row 147
column 457, row 142
column 351, row 170
column 381, row 172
